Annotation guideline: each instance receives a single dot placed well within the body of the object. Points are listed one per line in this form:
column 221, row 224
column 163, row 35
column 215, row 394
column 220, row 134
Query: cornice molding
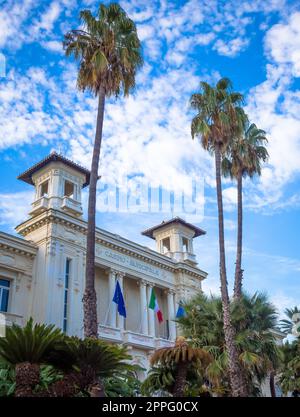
column 14, row 244
column 110, row 240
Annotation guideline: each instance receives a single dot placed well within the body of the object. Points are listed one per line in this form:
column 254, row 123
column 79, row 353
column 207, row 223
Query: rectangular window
column 165, row 243
column 4, row 294
column 69, row 189
column 66, row 294
column 167, row 329
column 185, row 244
column 44, row 189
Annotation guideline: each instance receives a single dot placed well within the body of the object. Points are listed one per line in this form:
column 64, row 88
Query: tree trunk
column 69, row 386
column 97, row 389
column 238, row 264
column 27, row 377
column 238, row 386
column 90, row 299
column 272, row 384
column 180, row 380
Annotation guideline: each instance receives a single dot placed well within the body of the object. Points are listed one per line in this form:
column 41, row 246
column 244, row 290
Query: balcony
column 162, row 343
column 138, row 339
column 8, row 319
column 71, row 206
column 39, row 206
column 189, row 257
column 110, row 334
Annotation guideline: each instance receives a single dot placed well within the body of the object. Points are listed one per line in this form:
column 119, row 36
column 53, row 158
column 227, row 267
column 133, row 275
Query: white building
column 42, row 272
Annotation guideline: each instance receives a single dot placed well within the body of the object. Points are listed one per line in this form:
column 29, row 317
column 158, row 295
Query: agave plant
column 181, row 356
column 26, row 348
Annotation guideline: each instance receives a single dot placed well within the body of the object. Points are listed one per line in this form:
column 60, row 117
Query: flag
column 119, row 300
column 154, row 306
column 180, row 312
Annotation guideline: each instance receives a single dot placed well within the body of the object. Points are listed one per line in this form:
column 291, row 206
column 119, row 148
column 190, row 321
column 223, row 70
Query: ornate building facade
column 42, row 272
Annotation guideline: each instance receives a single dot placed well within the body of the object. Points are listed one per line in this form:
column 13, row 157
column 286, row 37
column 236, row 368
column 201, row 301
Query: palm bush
column 85, row 363
column 39, row 360
column 253, row 318
column 289, row 372
column 26, row 348
column 180, row 357
column 123, row 383
column 160, row 381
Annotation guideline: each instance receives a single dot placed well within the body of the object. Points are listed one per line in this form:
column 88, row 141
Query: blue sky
column 147, row 136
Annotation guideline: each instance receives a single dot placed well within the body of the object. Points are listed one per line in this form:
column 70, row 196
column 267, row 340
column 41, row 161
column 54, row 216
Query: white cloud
column 54, row 46
column 14, row 208
column 47, row 19
column 230, row 48
column 12, row 16
column 274, row 106
column 283, row 43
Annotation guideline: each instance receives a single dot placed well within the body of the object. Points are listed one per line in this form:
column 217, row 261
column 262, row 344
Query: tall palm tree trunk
column 180, row 380
column 238, row 387
column 237, row 292
column 90, row 298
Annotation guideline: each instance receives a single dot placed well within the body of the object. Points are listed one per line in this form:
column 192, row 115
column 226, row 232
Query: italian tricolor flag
column 154, row 306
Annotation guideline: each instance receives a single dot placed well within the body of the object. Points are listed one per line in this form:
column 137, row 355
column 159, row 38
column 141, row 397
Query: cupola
column 174, row 238
column 58, row 182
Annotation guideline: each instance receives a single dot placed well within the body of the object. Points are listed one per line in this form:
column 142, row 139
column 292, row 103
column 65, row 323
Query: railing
column 114, row 334
column 111, row 334
column 189, row 257
column 39, row 205
column 69, row 204
column 138, row 339
column 161, row 343
column 11, row 318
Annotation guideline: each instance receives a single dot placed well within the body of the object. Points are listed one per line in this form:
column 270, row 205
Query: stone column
column 143, row 308
column 151, row 318
column 112, row 312
column 171, row 315
column 120, row 319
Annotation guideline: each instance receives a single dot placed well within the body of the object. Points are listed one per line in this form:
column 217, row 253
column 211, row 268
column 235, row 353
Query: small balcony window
column 185, row 244
column 165, row 245
column 69, row 189
column 44, row 189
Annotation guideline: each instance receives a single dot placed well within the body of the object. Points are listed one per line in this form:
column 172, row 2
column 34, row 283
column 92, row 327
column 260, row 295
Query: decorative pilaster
column 151, row 318
column 171, row 315
column 143, row 307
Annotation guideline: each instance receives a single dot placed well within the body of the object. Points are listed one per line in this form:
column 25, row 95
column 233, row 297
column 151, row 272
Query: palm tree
column 109, row 53
column 219, row 119
column 181, row 356
column 244, row 156
column 26, row 348
column 253, row 318
column 290, row 367
column 288, row 324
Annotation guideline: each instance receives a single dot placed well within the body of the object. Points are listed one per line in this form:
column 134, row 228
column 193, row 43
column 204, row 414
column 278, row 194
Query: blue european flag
column 180, row 312
column 119, row 300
